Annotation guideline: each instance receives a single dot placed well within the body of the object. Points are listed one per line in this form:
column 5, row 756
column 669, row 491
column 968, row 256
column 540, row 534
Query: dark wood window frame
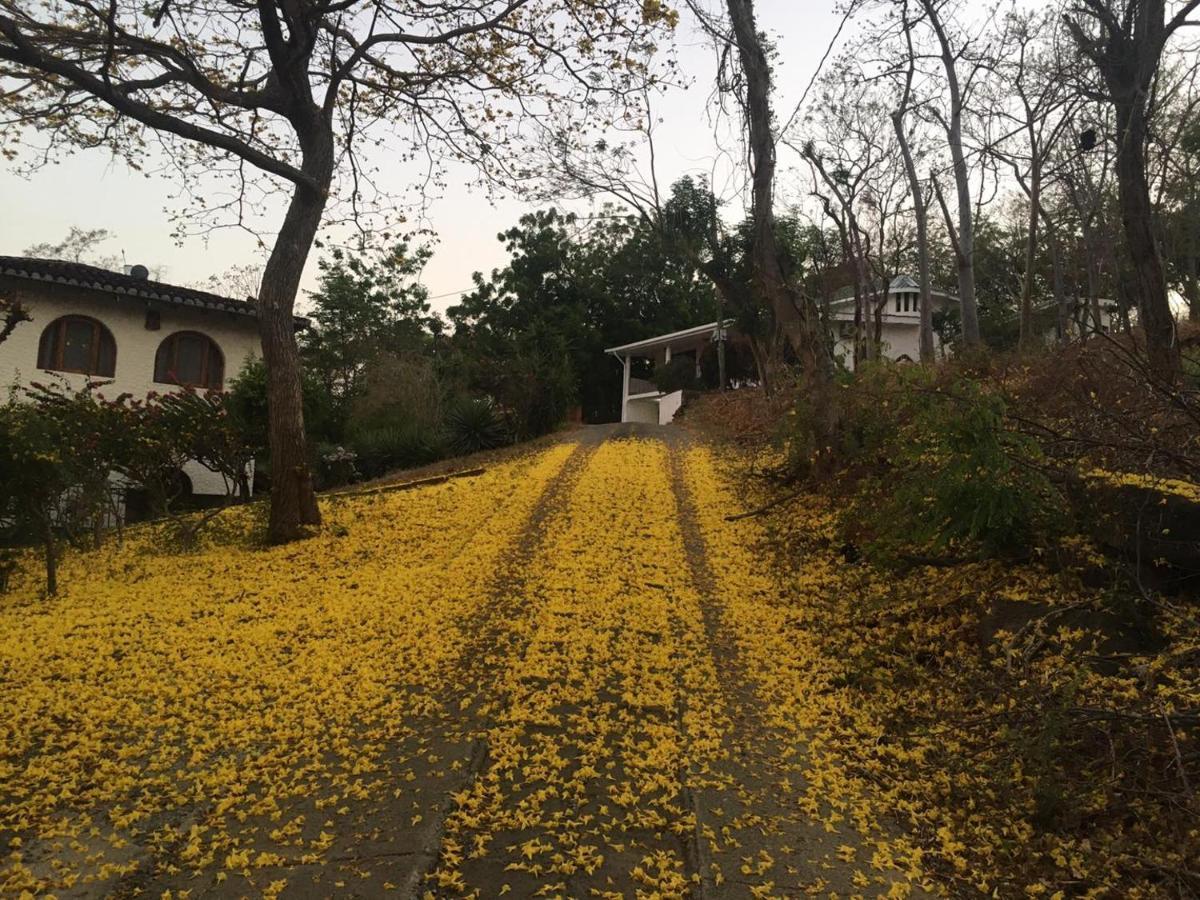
column 212, row 363
column 53, row 342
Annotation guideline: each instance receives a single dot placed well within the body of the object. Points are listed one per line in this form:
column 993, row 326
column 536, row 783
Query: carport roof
column 686, row 339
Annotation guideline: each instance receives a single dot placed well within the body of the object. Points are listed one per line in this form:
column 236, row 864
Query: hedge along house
column 131, row 333
column 900, row 319
column 641, row 399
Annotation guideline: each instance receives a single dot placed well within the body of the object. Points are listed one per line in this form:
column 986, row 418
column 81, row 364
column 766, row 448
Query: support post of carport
column 721, row 355
column 625, row 390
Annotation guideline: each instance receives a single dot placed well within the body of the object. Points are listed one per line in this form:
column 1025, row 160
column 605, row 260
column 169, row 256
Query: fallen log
column 411, row 485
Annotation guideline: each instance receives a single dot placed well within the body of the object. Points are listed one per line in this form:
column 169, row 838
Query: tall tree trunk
column 868, row 294
column 1027, row 339
column 796, row 315
column 966, row 240
column 1094, row 311
column 861, row 344
column 965, row 244
column 1128, row 53
column 1191, row 292
column 762, row 363
column 1092, row 264
column 877, row 318
column 859, row 349
column 1061, row 303
column 925, row 340
column 293, row 499
column 1146, row 269
column 853, row 250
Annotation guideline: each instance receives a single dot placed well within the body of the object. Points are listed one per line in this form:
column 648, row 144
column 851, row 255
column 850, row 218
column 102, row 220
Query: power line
column 451, row 293
column 820, row 65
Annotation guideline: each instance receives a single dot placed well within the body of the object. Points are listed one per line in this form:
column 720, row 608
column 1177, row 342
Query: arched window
column 78, row 344
column 190, row 358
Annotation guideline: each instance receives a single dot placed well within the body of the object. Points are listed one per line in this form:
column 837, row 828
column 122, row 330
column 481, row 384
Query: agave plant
column 472, row 425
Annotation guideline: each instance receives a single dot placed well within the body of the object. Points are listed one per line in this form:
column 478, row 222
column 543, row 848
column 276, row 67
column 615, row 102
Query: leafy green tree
column 366, row 305
column 571, row 288
column 514, row 333
column 247, row 407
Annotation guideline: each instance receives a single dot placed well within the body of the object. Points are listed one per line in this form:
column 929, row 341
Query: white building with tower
column 900, row 319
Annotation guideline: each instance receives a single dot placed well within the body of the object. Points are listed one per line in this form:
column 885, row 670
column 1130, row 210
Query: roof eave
column 233, row 307
column 665, row 340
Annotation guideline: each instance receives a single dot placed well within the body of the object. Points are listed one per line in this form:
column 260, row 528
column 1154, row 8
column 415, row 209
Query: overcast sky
column 93, row 191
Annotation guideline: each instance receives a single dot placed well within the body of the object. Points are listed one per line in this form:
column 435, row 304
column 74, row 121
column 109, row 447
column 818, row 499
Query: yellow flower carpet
column 567, row 677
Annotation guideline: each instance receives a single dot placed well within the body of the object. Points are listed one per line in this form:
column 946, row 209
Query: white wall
column 899, row 339
column 668, row 406
column 125, row 317
column 645, row 411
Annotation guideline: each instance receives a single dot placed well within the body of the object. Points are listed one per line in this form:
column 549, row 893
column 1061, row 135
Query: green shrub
column 873, row 404
column 957, row 478
column 336, row 466
column 472, row 425
column 396, row 446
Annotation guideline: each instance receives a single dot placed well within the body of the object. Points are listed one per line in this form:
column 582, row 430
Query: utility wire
column 820, row 65
column 451, row 294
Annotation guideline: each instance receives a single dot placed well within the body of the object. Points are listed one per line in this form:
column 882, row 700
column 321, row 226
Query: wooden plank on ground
column 411, row 485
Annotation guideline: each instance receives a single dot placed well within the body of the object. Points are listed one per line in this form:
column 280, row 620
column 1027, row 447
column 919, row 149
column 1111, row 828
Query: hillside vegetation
column 993, row 580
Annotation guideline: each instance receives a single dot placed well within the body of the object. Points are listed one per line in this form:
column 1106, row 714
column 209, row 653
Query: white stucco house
column 134, row 334
column 901, row 320
column 641, row 400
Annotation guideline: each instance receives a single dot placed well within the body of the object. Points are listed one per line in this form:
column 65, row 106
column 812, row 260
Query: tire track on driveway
column 382, row 833
column 497, row 640
column 754, row 836
column 581, row 796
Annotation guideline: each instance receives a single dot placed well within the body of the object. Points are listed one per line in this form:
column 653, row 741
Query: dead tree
column 1040, row 118
column 854, row 240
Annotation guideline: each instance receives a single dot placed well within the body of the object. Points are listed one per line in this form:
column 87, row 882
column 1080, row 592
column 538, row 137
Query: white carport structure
column 642, row 401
